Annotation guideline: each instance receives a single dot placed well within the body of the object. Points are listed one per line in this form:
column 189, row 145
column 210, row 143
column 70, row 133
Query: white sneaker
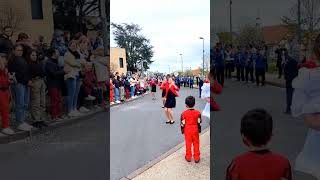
column 24, row 127
column 8, row 131
column 118, row 102
column 90, row 98
column 112, row 103
column 84, row 110
column 77, row 113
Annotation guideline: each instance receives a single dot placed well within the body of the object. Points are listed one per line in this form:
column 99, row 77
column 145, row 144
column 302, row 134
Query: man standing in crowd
column 240, row 63
column 5, row 40
column 229, row 62
column 249, row 63
column 200, row 85
column 281, row 55
column 260, row 67
column 291, row 71
column 218, row 60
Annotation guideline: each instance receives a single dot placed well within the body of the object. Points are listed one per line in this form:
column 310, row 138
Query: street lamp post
column 202, row 55
column 181, row 63
column 105, row 32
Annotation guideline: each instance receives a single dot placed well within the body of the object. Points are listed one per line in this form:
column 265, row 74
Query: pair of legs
column 240, row 73
column 260, row 73
column 249, row 71
column 169, row 114
column 220, row 75
column 192, row 139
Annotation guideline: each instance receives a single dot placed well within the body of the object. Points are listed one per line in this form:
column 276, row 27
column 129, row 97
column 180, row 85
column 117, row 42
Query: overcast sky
column 246, row 11
column 173, row 26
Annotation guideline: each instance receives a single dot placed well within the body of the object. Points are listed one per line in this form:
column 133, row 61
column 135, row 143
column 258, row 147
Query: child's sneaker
column 8, row 131
column 189, row 160
column 197, row 161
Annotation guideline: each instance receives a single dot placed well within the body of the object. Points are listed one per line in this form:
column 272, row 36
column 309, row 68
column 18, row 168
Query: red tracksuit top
column 259, row 165
column 191, row 117
column 4, row 80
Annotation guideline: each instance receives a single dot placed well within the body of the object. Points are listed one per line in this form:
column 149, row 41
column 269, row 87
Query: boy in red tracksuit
column 190, row 127
column 4, row 96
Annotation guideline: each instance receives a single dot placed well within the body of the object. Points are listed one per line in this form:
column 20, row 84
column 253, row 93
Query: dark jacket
column 290, row 69
column 55, row 74
column 260, row 62
column 240, row 59
column 20, row 67
column 249, row 59
column 36, row 70
column 6, row 45
column 218, row 58
column 279, row 56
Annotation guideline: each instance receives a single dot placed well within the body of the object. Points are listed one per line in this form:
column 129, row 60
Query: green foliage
column 272, row 68
column 138, row 47
column 249, row 35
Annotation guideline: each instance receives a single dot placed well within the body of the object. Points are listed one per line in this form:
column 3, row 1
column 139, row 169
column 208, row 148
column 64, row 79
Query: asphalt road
column 139, row 133
column 237, row 99
column 78, row 151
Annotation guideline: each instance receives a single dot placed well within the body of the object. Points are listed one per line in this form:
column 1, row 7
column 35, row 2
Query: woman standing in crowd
column 72, row 79
column 111, row 86
column 4, row 95
column 18, row 66
column 101, row 69
column 121, row 87
column 132, row 85
column 55, row 83
column 116, row 84
column 127, row 87
column 153, row 88
column 163, row 85
column 170, row 98
column 306, row 103
column 38, row 90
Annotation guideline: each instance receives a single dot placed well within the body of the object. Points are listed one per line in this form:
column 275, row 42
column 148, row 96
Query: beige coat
column 71, row 65
column 101, row 69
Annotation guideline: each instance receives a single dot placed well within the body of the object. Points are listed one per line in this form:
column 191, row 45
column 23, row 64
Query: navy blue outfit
column 249, row 66
column 200, row 86
column 260, row 69
column 191, row 83
column 218, row 60
column 240, row 62
column 290, row 72
column 229, row 66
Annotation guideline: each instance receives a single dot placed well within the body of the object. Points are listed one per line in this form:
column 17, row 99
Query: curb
column 157, row 160
column 280, row 85
column 20, row 135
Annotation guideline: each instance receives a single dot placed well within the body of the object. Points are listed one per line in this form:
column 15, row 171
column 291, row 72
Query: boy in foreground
column 190, row 127
column 259, row 162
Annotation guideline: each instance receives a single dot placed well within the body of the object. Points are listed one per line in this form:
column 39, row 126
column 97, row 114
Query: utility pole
column 231, row 35
column 181, row 63
column 105, row 28
column 202, row 55
column 299, row 22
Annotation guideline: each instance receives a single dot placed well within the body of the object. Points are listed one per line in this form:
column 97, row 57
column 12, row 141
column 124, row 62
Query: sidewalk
column 173, row 166
column 19, row 135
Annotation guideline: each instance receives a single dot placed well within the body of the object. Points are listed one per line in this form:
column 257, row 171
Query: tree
column 249, row 35
column 66, row 12
column 9, row 17
column 310, row 18
column 138, row 48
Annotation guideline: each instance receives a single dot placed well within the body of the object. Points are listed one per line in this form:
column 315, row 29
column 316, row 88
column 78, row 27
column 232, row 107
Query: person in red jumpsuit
column 111, row 91
column 190, row 127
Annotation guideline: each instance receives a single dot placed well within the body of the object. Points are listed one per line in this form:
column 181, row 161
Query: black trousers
column 280, row 71
column 260, row 73
column 249, row 71
column 228, row 70
column 240, row 73
column 200, row 91
column 289, row 94
column 220, row 75
column 191, row 85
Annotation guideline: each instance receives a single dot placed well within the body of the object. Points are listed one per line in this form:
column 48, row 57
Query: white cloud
column 173, row 27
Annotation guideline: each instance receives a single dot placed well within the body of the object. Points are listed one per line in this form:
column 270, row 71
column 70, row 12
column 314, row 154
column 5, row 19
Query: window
column 36, row 9
column 121, row 62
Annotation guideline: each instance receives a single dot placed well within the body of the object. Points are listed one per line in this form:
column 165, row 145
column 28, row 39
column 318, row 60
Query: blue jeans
column 73, row 88
column 22, row 98
column 117, row 94
column 132, row 91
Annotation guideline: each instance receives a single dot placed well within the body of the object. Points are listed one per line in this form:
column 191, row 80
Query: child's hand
column 183, row 122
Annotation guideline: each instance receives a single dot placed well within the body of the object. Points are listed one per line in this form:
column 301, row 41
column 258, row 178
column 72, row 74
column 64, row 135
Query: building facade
column 118, row 60
column 33, row 17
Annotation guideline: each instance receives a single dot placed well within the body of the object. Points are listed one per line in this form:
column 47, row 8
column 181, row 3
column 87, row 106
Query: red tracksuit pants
column 4, row 108
column 191, row 135
column 55, row 102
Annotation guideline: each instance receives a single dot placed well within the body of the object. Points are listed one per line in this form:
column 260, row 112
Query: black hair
column 50, row 52
column 256, row 126
column 190, row 101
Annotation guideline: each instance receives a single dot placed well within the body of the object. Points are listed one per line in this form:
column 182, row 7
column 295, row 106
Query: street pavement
column 78, row 151
column 138, row 133
column 236, row 99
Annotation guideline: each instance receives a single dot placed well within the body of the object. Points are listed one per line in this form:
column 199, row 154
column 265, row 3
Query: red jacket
column 309, row 64
column 173, row 89
column 4, row 80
